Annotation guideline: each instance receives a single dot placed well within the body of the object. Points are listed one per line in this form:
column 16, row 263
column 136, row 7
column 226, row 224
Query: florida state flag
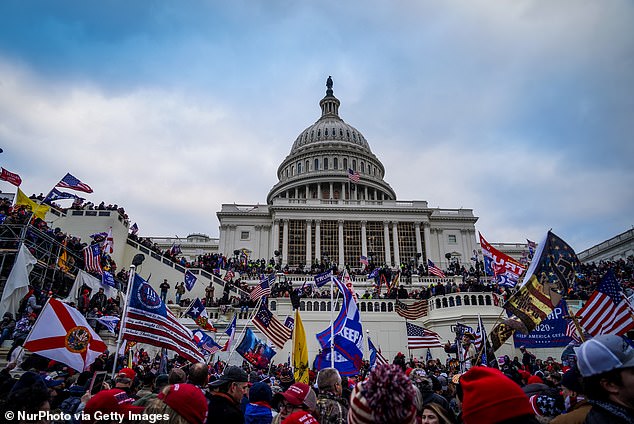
column 61, row 333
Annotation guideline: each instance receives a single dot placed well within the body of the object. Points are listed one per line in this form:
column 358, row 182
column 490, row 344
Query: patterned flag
column 262, row 289
column 231, row 332
column 428, row 357
column 190, row 280
column 571, row 331
column 290, row 322
column 61, row 333
column 433, row 269
column 207, row 345
column 74, row 184
column 504, row 268
column 55, row 194
column 364, row 260
column 10, row 177
column 608, row 310
column 109, row 321
column 199, row 314
column 481, row 339
column 92, row 258
column 150, row 321
column 271, row 327
column 419, row 337
column 376, row 358
column 300, row 351
column 353, row 176
column 134, row 229
column 373, row 274
column 531, row 248
column 108, row 243
column 414, row 311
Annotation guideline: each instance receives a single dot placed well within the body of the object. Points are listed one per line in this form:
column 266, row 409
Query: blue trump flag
column 190, row 280
column 348, row 347
column 323, row 278
column 255, row 351
column 551, row 332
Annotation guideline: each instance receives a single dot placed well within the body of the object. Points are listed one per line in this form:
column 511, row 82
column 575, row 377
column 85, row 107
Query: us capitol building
column 316, row 212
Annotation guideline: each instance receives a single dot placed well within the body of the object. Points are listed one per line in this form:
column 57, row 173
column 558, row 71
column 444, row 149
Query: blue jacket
column 257, row 414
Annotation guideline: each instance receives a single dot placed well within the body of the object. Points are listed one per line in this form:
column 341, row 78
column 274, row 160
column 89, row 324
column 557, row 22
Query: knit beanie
column 260, row 392
column 491, row 397
column 387, row 396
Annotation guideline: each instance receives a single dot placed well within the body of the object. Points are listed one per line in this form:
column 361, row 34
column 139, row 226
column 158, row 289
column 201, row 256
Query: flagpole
column 244, row 328
column 332, row 323
column 577, row 326
column 123, row 318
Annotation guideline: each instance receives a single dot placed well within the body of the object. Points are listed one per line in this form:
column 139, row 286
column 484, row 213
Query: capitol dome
column 323, row 156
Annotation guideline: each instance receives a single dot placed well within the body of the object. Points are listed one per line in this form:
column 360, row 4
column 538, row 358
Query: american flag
column 271, row 327
column 229, row 275
column 571, row 331
column 92, row 258
column 262, row 289
column 419, row 337
column 607, row 311
column 353, row 176
column 433, row 269
column 108, row 243
column 74, row 184
column 149, row 321
column 364, row 260
column 206, row 343
column 414, row 311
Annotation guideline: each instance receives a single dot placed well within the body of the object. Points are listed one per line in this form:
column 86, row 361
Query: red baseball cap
column 300, row 393
column 113, row 400
column 300, row 417
column 187, row 400
column 127, row 373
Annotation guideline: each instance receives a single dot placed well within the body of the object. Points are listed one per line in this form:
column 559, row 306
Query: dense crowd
column 596, row 386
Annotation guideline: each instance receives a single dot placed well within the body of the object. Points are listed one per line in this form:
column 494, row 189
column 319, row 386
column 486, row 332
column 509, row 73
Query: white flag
column 17, row 285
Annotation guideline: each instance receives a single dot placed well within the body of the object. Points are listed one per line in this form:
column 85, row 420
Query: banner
column 255, row 351
column 504, row 268
column 551, row 332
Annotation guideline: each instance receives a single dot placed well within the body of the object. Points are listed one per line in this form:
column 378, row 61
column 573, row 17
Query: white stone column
column 319, row 191
column 285, row 243
column 317, row 241
column 223, row 238
column 308, row 244
column 332, row 192
column 397, row 253
column 464, row 246
column 366, row 192
column 364, row 239
column 427, row 235
column 307, row 191
column 275, row 235
column 386, row 238
column 419, row 246
column 341, row 256
column 441, row 244
column 257, row 252
column 297, row 192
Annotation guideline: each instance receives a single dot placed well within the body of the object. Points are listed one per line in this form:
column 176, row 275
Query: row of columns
column 331, row 187
column 364, row 241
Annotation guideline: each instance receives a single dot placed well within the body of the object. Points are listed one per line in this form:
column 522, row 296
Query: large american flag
column 375, row 354
column 419, row 337
column 149, row 321
column 608, row 310
column 74, row 184
column 262, row 289
column 353, row 176
column 433, row 269
column 414, row 311
column 271, row 327
column 92, row 258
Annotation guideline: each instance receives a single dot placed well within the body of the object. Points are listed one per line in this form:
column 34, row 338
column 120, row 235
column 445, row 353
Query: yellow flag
column 62, row 261
column 39, row 211
column 300, row 351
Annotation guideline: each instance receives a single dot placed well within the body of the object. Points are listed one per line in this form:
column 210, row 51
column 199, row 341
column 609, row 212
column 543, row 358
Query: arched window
column 487, row 300
column 318, row 133
column 390, row 307
column 451, row 302
column 326, row 132
column 474, row 300
column 273, row 305
column 466, row 301
column 286, row 172
column 325, row 163
column 292, row 170
column 316, row 165
column 309, row 305
column 335, row 163
column 345, row 163
column 363, row 167
column 341, row 132
column 458, row 301
column 302, row 306
column 480, row 300
column 383, row 307
column 437, row 303
column 307, row 168
column 354, row 164
column 370, row 307
column 444, row 302
column 322, row 306
column 362, row 306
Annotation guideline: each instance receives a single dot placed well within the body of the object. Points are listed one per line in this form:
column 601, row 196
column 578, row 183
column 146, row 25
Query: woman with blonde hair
column 182, row 403
column 435, row 414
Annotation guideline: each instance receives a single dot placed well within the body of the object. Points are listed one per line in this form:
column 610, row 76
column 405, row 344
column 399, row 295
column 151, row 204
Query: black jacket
column 222, row 409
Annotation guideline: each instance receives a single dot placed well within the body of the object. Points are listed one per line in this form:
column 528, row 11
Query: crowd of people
column 597, row 387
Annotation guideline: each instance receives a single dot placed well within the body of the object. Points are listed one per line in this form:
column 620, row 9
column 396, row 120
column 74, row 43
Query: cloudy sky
column 522, row 111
